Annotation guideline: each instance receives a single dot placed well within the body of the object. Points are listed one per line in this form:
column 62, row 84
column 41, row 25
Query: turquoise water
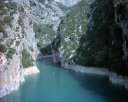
column 55, row 84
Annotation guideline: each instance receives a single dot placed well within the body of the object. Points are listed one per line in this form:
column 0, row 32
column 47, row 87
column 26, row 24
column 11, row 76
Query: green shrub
column 30, row 23
column 3, row 31
column 1, row 5
column 11, row 6
column 5, row 11
column 12, row 41
column 11, row 52
column 41, row 30
column 17, row 43
column 3, row 48
column 7, row 19
column 27, row 60
column 20, row 22
column 13, row 12
column 21, row 9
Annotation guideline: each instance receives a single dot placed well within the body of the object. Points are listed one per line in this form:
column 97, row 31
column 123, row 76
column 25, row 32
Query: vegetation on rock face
column 17, row 43
column 72, row 27
column 47, row 38
column 3, row 31
column 20, row 22
column 41, row 30
column 94, row 45
column 11, row 6
column 27, row 60
column 7, row 19
column 11, row 51
column 4, row 18
column 101, row 45
column 44, row 33
column 87, row 36
column 3, row 48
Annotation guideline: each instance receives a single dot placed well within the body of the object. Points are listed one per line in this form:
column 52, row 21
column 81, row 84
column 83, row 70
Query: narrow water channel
column 56, row 84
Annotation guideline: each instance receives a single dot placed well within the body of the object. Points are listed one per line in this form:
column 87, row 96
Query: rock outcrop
column 31, row 70
column 97, row 35
column 71, row 28
column 121, row 18
column 18, row 41
column 104, row 43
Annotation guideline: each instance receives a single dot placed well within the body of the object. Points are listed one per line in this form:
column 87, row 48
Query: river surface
column 54, row 84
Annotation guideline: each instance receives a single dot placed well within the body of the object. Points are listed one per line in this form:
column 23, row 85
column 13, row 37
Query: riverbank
column 31, row 70
column 118, row 79
column 15, row 83
column 113, row 77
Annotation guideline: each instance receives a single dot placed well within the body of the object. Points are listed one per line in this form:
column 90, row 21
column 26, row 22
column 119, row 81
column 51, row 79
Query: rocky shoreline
column 113, row 77
column 118, row 79
column 31, row 70
column 15, row 83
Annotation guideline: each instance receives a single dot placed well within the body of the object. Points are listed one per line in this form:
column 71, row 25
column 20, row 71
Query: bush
column 17, row 43
column 21, row 9
column 11, row 52
column 11, row 6
column 27, row 60
column 3, row 48
column 7, row 19
column 20, row 22
column 41, row 30
column 3, row 31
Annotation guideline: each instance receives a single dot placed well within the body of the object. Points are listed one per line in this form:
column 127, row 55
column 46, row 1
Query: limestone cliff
column 72, row 27
column 104, row 43
column 95, row 33
column 18, row 41
column 121, row 18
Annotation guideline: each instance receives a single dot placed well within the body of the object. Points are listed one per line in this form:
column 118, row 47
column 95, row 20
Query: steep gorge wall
column 95, row 33
column 104, row 43
column 18, row 42
column 121, row 18
column 11, row 73
column 72, row 27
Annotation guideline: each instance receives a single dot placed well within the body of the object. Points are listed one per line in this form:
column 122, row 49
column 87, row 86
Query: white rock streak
column 113, row 77
column 68, row 3
column 31, row 70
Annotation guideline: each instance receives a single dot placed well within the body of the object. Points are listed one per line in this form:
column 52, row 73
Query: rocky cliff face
column 105, row 41
column 121, row 18
column 72, row 27
column 96, row 35
column 18, row 41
